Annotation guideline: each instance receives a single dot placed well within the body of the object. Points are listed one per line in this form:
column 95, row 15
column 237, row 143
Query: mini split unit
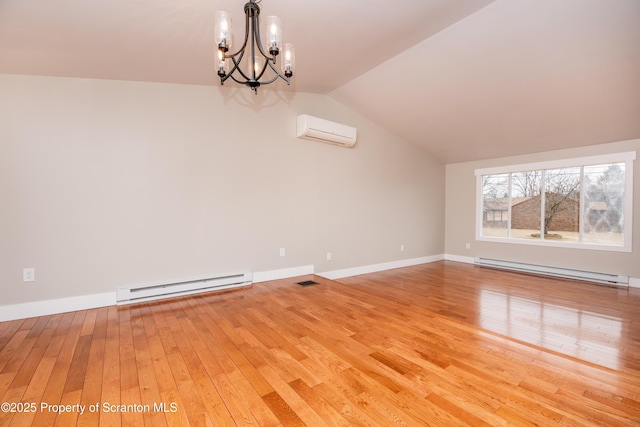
column 316, row 129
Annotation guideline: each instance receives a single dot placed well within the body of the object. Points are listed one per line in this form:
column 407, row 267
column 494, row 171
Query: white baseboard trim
column 355, row 271
column 633, row 281
column 459, row 258
column 285, row 273
column 87, row 302
column 56, row 306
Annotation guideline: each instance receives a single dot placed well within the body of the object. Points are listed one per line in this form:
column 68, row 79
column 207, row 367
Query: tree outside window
column 582, row 204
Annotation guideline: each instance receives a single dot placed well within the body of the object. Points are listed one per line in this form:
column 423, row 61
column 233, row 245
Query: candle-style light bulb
column 274, row 34
column 223, row 30
column 223, row 66
column 288, row 60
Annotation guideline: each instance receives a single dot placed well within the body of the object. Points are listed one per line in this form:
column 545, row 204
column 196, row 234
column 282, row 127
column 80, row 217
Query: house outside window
column 582, row 203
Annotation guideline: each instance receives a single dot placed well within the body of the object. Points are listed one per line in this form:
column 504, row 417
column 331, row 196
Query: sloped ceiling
column 516, row 77
column 465, row 79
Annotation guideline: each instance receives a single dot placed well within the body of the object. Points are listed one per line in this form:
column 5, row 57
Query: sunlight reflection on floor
column 585, row 335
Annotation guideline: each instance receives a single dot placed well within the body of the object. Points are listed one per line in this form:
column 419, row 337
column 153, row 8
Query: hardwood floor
column 437, row 344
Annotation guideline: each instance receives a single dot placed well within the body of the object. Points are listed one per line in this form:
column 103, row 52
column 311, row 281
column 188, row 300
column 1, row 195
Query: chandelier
column 250, row 63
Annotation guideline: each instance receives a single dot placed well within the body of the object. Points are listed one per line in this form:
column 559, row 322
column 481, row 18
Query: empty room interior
column 356, row 213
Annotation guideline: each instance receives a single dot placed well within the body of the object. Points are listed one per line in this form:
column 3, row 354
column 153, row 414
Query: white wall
column 460, row 218
column 108, row 183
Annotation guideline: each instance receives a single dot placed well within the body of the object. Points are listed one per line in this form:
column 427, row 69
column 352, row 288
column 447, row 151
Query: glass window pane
column 571, row 204
column 495, row 205
column 525, row 204
column 604, row 204
column 562, row 205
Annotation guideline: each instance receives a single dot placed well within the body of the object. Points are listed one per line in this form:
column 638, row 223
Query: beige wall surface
column 461, row 207
column 110, row 183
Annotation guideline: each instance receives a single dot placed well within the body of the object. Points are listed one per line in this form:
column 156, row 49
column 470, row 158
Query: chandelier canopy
column 250, row 63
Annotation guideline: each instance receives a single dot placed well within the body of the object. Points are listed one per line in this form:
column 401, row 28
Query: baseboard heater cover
column 591, row 276
column 135, row 294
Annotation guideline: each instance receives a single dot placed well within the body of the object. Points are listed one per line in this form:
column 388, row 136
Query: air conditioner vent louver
column 316, row 129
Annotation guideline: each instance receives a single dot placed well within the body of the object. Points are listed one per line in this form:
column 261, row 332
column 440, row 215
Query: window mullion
column 542, row 203
column 509, row 207
column 581, row 207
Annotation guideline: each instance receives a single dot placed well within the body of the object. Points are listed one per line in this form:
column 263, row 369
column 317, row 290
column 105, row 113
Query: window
column 583, row 203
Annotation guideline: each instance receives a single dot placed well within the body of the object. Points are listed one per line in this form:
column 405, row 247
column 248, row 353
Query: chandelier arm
column 252, row 47
column 278, row 74
column 258, row 41
column 276, row 77
column 236, row 66
column 269, row 81
column 236, row 80
column 246, row 38
column 264, row 68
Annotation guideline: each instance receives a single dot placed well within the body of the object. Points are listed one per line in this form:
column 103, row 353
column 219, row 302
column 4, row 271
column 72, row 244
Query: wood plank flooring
column 440, row 344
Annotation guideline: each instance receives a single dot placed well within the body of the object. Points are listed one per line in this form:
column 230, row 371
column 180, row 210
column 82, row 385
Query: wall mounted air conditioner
column 316, row 129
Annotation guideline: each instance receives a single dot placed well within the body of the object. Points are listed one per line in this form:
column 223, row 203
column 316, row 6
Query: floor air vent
column 307, row 283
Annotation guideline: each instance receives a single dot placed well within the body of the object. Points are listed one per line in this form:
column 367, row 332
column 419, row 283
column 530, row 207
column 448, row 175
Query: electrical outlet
column 468, row 245
column 28, row 275
column 401, row 248
column 281, row 251
column 328, row 256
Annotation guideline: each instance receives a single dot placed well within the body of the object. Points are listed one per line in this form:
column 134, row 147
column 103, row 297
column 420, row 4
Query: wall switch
column 281, row 251
column 28, row 275
column 468, row 245
column 328, row 256
column 401, row 248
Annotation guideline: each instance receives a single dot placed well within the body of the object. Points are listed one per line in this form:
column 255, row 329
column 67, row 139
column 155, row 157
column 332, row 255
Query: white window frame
column 627, row 158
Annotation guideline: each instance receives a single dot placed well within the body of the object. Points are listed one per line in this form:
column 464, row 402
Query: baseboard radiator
column 134, row 294
column 606, row 278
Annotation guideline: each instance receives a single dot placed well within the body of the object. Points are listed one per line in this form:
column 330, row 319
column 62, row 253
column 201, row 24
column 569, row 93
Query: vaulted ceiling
column 465, row 79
